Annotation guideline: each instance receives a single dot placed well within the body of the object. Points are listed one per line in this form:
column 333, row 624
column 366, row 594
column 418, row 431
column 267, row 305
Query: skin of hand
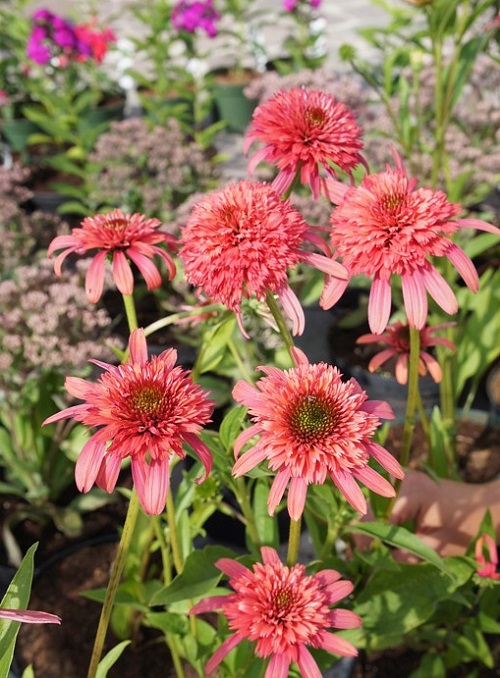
column 446, row 514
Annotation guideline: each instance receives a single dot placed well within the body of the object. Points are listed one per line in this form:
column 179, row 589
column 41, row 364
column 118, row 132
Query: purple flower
column 189, row 16
column 52, row 34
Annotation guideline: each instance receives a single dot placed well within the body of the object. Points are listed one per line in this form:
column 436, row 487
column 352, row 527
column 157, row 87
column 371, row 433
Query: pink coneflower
column 397, row 337
column 144, row 409
column 240, row 240
column 120, row 237
column 304, row 129
column 282, row 610
column 387, row 226
column 313, row 425
column 487, row 569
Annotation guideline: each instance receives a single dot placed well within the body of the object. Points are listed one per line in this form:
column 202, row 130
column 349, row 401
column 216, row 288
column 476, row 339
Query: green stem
column 114, row 581
column 174, row 540
column 246, row 509
column 280, row 322
column 411, row 406
column 171, row 641
column 293, row 543
column 239, row 362
column 128, row 301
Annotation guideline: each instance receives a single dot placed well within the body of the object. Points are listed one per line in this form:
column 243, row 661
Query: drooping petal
column 349, row 488
column 401, row 369
column 248, row 461
column 325, row 264
column 415, row 299
column 277, row 667
column 464, row 266
column 478, row 224
column 297, row 497
column 307, row 664
column 88, row 464
column 244, row 438
column 147, row 268
column 385, row 459
column 374, row 481
column 379, row 305
column 345, row 619
column 440, row 291
column 109, row 470
column 203, row 453
column 332, row 292
column 94, row 280
column 151, row 482
column 221, row 652
column 70, row 412
column 277, row 490
column 210, row 604
column 336, row 645
column 122, row 273
column 292, row 307
column 29, row 616
column 380, row 358
column 379, row 408
column 433, row 366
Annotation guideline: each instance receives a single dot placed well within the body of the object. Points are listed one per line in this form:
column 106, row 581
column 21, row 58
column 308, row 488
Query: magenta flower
column 303, row 130
column 313, row 425
column 282, row 610
column 241, row 240
column 190, row 15
column 121, row 237
column 397, row 338
column 51, row 36
column 142, row 409
column 386, row 227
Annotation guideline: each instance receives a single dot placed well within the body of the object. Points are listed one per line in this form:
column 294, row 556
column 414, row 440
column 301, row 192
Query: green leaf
column 16, row 598
column 168, row 622
column 28, row 672
column 198, row 577
column 400, row 537
column 110, row 659
column 267, row 526
column 231, row 426
column 215, row 343
column 393, row 603
column 431, row 666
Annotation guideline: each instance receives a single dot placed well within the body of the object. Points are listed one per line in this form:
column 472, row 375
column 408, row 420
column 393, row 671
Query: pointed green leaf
column 110, row 659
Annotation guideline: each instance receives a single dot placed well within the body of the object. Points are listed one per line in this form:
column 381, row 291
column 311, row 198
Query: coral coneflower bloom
column 282, row 610
column 313, row 425
column 240, row 240
column 120, row 237
column 397, row 338
column 387, row 226
column 304, row 130
column 142, row 409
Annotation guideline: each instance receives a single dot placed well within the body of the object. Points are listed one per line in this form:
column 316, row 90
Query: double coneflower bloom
column 388, row 227
column 282, row 610
column 119, row 237
column 241, row 240
column 144, row 409
column 311, row 426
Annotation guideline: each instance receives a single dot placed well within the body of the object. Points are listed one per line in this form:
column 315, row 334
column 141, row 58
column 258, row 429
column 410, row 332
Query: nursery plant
column 253, row 431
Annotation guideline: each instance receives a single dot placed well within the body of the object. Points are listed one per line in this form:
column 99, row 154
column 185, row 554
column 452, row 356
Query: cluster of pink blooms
column 191, row 15
column 54, row 36
column 308, row 424
column 486, row 568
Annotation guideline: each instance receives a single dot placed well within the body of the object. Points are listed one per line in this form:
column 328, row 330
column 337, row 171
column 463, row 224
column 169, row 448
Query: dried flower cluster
column 47, row 324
